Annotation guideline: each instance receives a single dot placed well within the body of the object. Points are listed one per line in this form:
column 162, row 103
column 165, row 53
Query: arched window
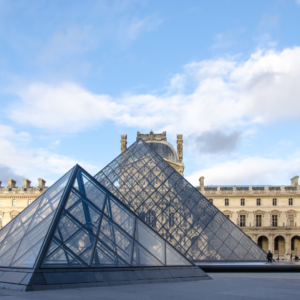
column 258, row 202
column 274, row 202
column 14, row 202
column 226, row 202
column 151, row 218
column 211, row 201
column 143, row 215
column 242, row 202
column 291, row 201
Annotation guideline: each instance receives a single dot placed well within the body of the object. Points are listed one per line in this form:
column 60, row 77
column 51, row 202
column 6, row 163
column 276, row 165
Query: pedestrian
column 269, row 257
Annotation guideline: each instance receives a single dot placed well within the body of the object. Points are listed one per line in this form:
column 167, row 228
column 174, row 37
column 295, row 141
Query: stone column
column 179, row 146
column 288, row 244
column 271, row 243
column 123, row 142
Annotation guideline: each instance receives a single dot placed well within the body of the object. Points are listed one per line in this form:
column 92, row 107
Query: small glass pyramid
column 79, row 224
column 172, row 207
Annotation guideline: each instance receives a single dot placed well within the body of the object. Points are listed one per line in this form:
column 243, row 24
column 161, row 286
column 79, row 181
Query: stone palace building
column 270, row 215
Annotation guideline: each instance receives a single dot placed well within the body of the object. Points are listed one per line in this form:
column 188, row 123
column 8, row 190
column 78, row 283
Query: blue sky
column 75, row 75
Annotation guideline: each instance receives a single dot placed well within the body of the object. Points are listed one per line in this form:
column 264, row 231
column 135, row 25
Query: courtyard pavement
column 224, row 286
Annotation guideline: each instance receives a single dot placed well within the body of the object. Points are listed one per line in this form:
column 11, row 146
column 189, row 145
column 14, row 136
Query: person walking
column 269, row 257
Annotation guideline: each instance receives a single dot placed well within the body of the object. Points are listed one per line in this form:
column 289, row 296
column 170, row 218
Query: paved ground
column 227, row 286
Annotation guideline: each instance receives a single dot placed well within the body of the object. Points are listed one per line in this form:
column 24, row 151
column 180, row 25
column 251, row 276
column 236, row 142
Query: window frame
column 242, row 220
column 211, row 201
column 291, row 202
column 14, row 202
column 242, row 202
column 275, row 220
column 258, row 202
column 258, row 220
column 274, row 201
column 226, row 202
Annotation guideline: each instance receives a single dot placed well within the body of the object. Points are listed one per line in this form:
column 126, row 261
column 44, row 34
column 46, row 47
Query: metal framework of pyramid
column 79, row 224
column 178, row 212
column 92, row 229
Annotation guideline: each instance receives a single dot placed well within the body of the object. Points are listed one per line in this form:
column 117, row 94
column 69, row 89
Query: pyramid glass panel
column 24, row 235
column 172, row 207
column 105, row 257
column 141, row 257
column 93, row 228
column 29, row 257
column 6, row 258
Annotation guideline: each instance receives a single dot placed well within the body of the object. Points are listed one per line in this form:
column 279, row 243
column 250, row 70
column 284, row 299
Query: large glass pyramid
column 171, row 206
column 77, row 223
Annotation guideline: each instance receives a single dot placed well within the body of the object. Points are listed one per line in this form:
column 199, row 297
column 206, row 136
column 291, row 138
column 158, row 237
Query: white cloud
column 34, row 163
column 249, row 171
column 64, row 108
column 226, row 94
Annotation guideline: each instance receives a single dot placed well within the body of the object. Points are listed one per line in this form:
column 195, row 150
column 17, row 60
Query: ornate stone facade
column 14, row 199
column 270, row 215
column 157, row 141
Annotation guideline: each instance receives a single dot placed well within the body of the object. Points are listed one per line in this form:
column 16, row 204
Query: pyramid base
column 50, row 279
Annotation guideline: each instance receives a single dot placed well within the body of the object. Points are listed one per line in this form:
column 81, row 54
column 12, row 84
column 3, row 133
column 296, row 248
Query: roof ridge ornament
column 152, row 136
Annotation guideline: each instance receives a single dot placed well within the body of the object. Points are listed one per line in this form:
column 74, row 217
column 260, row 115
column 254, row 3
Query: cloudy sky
column 74, row 75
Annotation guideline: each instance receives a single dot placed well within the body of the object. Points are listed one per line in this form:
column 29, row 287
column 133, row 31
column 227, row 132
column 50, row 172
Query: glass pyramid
column 171, row 206
column 78, row 224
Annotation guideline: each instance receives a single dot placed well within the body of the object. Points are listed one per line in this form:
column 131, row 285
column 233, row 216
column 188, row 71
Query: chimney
column 123, row 142
column 42, row 183
column 294, row 181
column 179, row 147
column 201, row 182
column 11, row 183
column 26, row 183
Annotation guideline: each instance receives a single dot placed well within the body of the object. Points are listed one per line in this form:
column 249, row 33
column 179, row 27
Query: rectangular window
column 258, row 220
column 242, row 221
column 291, row 201
column 227, row 216
column 258, row 202
column 275, row 220
column 242, row 202
column 226, row 202
column 274, row 202
column 29, row 202
column 14, row 202
column 290, row 221
column 211, row 201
